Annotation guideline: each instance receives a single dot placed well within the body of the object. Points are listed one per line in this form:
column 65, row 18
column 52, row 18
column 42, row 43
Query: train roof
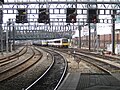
column 56, row 39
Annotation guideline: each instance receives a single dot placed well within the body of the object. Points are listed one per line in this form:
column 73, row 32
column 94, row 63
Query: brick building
column 103, row 40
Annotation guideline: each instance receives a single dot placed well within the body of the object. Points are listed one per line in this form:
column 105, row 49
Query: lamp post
column 1, row 31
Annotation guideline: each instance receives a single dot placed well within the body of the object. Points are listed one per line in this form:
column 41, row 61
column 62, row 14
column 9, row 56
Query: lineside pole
column 7, row 38
column 1, row 30
column 13, row 36
column 79, row 36
column 113, row 32
column 89, row 37
column 1, row 38
column 10, row 42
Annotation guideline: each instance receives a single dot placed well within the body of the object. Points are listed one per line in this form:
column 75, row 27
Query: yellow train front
column 61, row 42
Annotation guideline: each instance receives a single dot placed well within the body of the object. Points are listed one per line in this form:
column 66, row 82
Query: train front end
column 65, row 43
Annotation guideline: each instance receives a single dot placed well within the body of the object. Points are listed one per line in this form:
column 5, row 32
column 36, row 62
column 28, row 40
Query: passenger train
column 40, row 43
column 61, row 42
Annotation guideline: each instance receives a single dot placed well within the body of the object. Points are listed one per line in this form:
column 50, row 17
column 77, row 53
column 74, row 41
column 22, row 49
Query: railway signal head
column 92, row 16
column 21, row 17
column 71, row 15
column 44, row 16
column 1, row 16
column 2, row 1
column 73, row 18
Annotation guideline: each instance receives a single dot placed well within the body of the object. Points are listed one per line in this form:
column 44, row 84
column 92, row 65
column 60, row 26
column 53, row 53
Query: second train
column 61, row 42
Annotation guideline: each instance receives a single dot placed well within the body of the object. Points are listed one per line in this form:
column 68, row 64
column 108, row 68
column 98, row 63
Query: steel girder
column 60, row 2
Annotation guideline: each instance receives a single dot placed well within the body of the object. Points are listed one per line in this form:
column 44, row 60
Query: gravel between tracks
column 26, row 78
column 83, row 66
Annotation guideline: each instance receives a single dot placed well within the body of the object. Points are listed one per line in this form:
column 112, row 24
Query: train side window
column 57, row 41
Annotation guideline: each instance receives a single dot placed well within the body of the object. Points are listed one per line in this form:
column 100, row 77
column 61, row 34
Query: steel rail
column 31, row 85
column 20, row 64
column 64, row 72
column 63, row 75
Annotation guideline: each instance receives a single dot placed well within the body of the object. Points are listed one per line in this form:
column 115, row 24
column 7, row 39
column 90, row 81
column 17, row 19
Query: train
column 40, row 43
column 61, row 42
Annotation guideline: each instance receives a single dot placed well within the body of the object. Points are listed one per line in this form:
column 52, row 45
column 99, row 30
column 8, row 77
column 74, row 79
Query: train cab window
column 65, row 40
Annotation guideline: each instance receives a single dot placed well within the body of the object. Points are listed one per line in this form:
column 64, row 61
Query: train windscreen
column 65, row 40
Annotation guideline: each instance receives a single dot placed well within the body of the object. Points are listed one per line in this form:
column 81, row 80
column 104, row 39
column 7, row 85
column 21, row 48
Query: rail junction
column 38, row 51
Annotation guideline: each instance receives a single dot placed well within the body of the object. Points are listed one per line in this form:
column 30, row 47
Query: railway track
column 27, row 60
column 114, row 59
column 100, row 62
column 105, row 66
column 12, row 58
column 53, row 76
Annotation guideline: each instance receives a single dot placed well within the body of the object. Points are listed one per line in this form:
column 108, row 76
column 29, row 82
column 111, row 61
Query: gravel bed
column 83, row 67
column 27, row 77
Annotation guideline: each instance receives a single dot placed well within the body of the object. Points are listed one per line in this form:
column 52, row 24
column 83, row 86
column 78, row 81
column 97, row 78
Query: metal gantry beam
column 59, row 7
column 60, row 2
